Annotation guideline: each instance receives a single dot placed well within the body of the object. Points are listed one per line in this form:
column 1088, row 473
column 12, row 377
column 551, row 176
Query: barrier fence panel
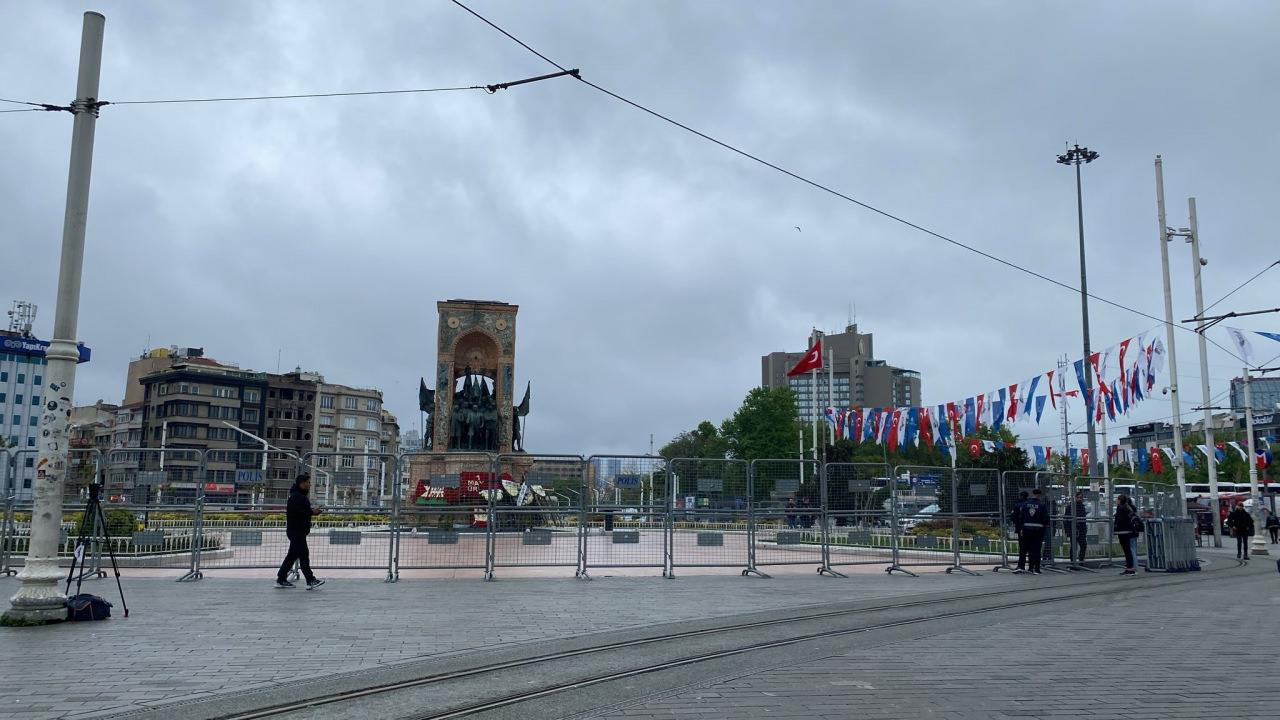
column 444, row 520
column 858, row 523
column 925, row 529
column 9, row 497
column 538, row 520
column 710, row 513
column 785, row 513
column 627, row 514
column 168, row 482
column 1084, row 527
column 976, row 497
column 1055, row 490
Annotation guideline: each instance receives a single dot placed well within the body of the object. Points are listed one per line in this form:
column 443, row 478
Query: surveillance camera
column 1164, row 391
column 1204, row 261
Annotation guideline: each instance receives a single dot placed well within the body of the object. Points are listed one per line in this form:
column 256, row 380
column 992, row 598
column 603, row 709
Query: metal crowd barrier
column 1171, row 545
column 628, row 512
column 479, row 511
column 857, row 523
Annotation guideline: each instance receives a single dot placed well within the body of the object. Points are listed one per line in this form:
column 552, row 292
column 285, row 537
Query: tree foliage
column 764, row 426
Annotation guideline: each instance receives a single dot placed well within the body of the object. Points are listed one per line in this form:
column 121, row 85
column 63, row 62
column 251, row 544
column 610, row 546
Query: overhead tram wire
column 491, row 89
column 817, row 185
column 1241, row 285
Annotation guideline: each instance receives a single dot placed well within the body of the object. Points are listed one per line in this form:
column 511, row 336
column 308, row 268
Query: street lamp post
column 38, row 600
column 1258, row 546
column 1079, row 156
column 1176, row 404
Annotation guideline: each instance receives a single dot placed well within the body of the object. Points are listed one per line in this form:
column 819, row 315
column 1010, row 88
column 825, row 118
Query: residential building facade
column 859, row 379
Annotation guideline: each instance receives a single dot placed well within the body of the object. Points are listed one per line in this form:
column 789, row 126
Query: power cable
column 824, row 188
column 295, row 97
column 1241, row 285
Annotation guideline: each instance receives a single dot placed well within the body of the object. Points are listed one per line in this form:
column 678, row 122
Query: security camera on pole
column 39, row 600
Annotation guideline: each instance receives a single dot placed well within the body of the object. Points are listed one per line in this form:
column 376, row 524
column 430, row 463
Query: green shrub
column 120, row 523
column 968, row 529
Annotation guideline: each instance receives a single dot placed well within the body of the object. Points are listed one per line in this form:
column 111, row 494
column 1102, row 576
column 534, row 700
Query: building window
column 348, row 441
column 348, row 423
column 348, row 461
column 4, row 376
column 371, row 444
column 348, row 403
column 22, row 378
column 17, row 399
column 326, row 420
column 288, row 414
column 371, row 425
column 250, row 416
column 35, row 399
column 371, row 405
column 251, row 396
column 195, row 389
column 326, row 440
column 322, row 461
column 286, row 435
column 2, row 397
column 31, row 442
column 326, row 402
column 34, row 421
column 39, row 380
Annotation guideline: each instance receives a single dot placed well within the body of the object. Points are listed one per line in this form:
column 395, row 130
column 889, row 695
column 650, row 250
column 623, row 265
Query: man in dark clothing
column 1035, row 517
column 1241, row 525
column 298, row 514
column 1016, row 516
column 1077, row 528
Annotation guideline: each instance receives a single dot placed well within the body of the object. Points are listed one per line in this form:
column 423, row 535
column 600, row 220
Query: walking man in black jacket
column 298, row 516
column 1241, row 525
column 1078, row 528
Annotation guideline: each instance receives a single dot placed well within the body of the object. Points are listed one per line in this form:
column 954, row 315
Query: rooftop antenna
column 22, row 317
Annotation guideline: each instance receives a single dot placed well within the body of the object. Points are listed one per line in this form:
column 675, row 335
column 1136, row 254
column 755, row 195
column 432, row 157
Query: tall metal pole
column 1179, row 470
column 1084, row 319
column 1078, row 156
column 1258, row 546
column 38, row 599
column 1209, row 446
column 831, row 394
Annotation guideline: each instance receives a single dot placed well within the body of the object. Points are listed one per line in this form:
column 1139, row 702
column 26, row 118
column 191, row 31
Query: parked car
column 926, row 514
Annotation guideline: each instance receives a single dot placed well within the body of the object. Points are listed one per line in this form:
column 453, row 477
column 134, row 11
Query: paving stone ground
column 223, row 635
column 1204, row 651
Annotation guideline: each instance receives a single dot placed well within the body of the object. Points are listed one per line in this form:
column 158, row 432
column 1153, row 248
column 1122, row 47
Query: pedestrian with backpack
column 1035, row 518
column 298, row 514
column 1015, row 516
column 1272, row 525
column 1126, row 524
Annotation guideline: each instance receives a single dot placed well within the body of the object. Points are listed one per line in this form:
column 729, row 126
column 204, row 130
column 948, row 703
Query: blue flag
column 1142, row 461
column 1031, row 392
column 1188, row 459
column 1073, row 456
column 1039, row 453
column 913, row 426
column 970, row 415
column 1040, row 407
column 1084, row 391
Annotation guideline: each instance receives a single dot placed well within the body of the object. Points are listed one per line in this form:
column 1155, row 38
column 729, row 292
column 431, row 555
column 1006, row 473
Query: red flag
column 1013, row 403
column 1053, row 395
column 812, row 360
column 975, row 447
column 893, row 431
column 856, row 432
column 1124, row 371
column 1048, row 454
column 926, row 430
column 1084, row 461
column 1157, row 460
column 980, row 403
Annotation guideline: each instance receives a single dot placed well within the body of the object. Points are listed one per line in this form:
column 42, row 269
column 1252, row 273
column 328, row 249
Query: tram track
column 1061, row 593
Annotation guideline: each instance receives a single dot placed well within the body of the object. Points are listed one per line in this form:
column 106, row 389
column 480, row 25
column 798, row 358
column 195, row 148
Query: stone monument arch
column 475, row 368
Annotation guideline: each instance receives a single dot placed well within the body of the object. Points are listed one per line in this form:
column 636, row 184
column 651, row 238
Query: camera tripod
column 93, row 515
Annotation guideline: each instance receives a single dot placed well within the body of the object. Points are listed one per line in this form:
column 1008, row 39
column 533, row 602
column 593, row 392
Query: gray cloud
column 652, row 268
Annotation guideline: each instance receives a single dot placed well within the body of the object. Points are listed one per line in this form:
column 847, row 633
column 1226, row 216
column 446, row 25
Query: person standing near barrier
column 1273, row 525
column 1126, row 527
column 791, row 513
column 1241, row 525
column 298, row 514
column 1015, row 517
column 1077, row 528
column 1035, row 517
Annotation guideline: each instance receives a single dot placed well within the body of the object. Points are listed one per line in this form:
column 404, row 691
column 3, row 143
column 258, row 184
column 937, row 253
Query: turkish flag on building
column 812, row 360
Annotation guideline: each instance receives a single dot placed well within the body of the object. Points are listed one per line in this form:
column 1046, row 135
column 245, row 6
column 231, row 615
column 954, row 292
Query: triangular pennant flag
column 1029, row 395
column 1039, row 408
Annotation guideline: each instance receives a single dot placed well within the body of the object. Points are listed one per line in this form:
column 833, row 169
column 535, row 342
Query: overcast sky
column 651, row 267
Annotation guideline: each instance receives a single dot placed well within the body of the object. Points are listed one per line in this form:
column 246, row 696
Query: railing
column 476, row 511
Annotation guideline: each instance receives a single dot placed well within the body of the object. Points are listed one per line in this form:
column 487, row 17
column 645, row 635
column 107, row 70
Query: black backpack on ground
column 87, row 607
